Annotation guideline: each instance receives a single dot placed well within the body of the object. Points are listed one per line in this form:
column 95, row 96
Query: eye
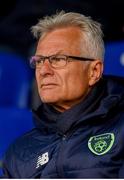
column 39, row 60
column 55, row 58
column 58, row 58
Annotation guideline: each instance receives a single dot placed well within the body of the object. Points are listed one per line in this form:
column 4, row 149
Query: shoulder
column 22, row 153
column 24, row 147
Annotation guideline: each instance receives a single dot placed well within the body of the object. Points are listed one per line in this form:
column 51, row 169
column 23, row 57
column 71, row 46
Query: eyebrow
column 57, row 53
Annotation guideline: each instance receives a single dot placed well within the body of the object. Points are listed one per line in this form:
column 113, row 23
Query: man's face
column 66, row 86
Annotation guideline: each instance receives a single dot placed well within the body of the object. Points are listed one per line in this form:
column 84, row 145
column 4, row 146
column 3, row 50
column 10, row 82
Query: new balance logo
column 42, row 160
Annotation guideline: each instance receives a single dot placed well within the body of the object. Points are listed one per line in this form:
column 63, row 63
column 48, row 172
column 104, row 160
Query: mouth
column 48, row 86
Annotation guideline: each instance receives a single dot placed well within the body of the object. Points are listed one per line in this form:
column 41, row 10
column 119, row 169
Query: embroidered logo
column 42, row 160
column 101, row 144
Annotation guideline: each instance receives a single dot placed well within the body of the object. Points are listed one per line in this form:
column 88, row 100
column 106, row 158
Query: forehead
column 62, row 39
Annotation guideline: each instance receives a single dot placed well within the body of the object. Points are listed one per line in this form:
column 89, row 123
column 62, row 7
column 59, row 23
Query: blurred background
column 18, row 92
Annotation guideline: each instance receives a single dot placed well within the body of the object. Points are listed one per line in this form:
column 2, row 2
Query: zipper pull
column 64, row 137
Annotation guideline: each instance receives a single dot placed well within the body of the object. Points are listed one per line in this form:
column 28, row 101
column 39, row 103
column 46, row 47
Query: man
column 80, row 122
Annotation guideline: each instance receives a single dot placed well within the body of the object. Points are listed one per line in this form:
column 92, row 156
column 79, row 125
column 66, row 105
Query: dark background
column 17, row 16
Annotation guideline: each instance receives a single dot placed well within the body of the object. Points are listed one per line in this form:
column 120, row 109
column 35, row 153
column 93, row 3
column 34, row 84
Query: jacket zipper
column 61, row 156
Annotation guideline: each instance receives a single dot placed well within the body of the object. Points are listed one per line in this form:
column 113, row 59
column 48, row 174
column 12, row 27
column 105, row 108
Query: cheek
column 37, row 78
column 76, row 83
column 38, row 81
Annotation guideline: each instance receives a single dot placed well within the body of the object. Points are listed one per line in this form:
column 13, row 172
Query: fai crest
column 101, row 144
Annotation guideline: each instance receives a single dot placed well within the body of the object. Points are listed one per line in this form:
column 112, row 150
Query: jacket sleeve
column 121, row 172
column 7, row 164
column 6, row 173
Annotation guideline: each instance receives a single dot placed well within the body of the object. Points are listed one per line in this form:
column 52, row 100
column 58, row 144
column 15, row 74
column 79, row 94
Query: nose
column 46, row 68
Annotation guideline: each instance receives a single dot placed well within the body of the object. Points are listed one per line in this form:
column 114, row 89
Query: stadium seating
column 15, row 77
column 114, row 58
column 15, row 89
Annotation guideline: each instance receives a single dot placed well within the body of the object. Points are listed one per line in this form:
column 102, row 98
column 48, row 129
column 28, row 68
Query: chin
column 49, row 95
column 49, row 99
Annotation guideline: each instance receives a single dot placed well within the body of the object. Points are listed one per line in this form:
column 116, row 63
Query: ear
column 95, row 71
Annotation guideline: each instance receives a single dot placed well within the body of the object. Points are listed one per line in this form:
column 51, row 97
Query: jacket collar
column 98, row 103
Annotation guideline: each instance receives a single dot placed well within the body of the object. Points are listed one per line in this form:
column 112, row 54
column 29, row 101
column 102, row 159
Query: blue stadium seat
column 15, row 80
column 15, row 88
column 114, row 58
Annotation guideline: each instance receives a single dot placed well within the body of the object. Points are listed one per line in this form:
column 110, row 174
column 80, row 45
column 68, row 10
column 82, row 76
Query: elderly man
column 80, row 122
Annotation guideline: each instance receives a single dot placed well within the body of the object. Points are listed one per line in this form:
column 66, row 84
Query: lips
column 49, row 85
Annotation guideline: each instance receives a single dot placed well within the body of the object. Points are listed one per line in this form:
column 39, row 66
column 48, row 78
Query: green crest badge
column 101, row 144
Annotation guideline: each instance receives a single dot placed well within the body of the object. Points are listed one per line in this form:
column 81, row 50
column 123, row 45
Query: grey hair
column 92, row 35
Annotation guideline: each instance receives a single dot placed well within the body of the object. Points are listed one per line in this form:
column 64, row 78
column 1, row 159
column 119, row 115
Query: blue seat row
column 15, row 89
column 114, row 58
column 15, row 80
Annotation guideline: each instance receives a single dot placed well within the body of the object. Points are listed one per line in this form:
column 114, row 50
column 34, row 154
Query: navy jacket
column 86, row 141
